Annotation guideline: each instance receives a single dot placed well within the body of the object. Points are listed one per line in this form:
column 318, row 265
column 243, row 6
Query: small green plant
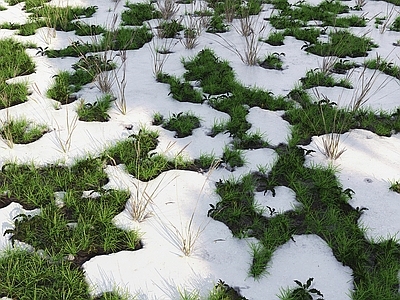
column 223, row 291
column 182, row 123
column 217, row 25
column 158, row 119
column 97, row 111
column 206, row 161
column 272, row 61
column 233, row 158
column 169, row 29
column 395, row 186
column 275, row 38
column 396, row 24
column 304, row 292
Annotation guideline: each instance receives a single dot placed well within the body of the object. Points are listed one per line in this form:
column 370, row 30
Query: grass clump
column 275, row 38
column 273, row 61
column 86, row 70
column 181, row 91
column 29, row 4
column 119, row 39
column 305, row 34
column 137, row 13
column 233, row 158
column 134, row 154
column 342, row 43
column 384, row 66
column 169, row 29
column 396, row 24
column 97, row 111
column 216, row 76
column 182, row 123
column 316, row 78
column 21, row 131
column 395, row 186
column 14, row 62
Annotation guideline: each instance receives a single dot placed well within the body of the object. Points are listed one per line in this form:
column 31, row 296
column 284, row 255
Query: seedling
column 304, row 292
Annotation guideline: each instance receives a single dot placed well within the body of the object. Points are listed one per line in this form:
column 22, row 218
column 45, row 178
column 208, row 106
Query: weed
column 305, row 292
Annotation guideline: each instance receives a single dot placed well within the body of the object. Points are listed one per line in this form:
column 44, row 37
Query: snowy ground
column 157, row 271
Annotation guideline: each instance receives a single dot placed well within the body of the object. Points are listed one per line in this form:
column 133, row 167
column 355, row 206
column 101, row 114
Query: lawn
column 199, row 150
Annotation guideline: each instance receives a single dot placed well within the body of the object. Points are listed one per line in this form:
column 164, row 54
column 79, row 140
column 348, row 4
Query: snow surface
column 160, row 270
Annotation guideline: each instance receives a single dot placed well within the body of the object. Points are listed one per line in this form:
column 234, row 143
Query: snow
column 160, row 270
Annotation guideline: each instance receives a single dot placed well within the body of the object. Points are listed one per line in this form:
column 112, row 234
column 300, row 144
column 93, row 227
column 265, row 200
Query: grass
column 15, row 62
column 97, row 111
column 21, row 131
column 182, row 123
column 72, row 231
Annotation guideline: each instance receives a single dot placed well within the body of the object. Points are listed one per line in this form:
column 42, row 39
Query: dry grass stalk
column 186, row 236
column 230, row 10
column 250, row 54
column 388, row 18
column 192, row 32
column 160, row 53
column 366, row 87
column 168, row 8
column 327, row 63
column 331, row 141
column 6, row 136
column 120, row 102
column 64, row 144
column 139, row 202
